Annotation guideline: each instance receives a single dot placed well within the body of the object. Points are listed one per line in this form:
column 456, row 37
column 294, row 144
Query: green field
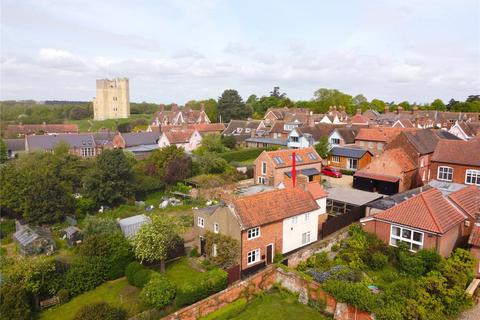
column 88, row 125
column 117, row 293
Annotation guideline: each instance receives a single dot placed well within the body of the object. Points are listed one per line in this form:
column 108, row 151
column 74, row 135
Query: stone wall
column 307, row 290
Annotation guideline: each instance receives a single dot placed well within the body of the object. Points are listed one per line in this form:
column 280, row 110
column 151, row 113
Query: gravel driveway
column 472, row 314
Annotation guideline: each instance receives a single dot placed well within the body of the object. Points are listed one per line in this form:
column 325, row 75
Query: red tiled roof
column 428, row 211
column 458, row 152
column 381, row 134
column 286, row 156
column 271, row 206
column 179, row 136
column 397, row 156
column 34, row 128
column 474, row 239
column 468, row 199
column 359, row 118
column 278, row 127
column 208, row 127
column 316, row 190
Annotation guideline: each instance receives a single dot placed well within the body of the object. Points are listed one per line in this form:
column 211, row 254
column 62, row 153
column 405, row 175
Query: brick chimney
column 302, row 181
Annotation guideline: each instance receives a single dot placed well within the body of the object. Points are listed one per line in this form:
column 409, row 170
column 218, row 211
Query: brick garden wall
column 262, row 281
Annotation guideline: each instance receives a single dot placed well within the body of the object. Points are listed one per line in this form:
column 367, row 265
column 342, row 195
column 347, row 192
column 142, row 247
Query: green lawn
column 116, row 293
column 88, row 125
column 270, row 306
column 181, row 272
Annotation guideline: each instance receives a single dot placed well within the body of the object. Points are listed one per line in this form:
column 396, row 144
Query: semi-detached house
column 265, row 224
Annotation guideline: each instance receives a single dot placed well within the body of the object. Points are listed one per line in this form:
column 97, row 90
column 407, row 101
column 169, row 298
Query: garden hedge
column 241, row 155
column 207, row 284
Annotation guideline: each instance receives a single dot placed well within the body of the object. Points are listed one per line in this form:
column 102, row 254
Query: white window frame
column 294, row 220
column 306, row 238
column 264, row 167
column 405, row 239
column 335, row 141
column 253, row 233
column 448, row 173
column 336, row 159
column 261, row 180
column 200, row 222
column 307, row 216
column 350, row 161
column 253, row 256
column 474, row 175
column 216, row 227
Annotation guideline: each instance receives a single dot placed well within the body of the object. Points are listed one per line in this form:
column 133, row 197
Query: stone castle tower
column 112, row 100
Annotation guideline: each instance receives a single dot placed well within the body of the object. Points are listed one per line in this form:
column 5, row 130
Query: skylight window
column 311, row 156
column 298, row 158
column 278, row 160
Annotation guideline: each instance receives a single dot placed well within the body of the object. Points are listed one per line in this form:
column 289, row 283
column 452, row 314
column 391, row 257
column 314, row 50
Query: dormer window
column 298, row 158
column 248, row 130
column 239, row 130
column 311, row 156
column 278, row 160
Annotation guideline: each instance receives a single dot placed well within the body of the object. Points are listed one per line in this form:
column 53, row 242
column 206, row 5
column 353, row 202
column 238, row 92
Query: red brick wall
column 452, row 239
column 263, row 281
column 270, row 233
column 458, row 171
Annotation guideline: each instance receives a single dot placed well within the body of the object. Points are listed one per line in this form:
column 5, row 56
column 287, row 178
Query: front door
column 202, row 246
column 270, row 253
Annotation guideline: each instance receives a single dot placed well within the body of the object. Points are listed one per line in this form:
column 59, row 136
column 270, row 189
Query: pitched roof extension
column 468, row 199
column 285, row 156
column 267, row 207
column 428, row 211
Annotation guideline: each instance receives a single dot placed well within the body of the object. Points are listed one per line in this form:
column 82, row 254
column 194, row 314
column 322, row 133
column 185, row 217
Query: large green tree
column 153, row 241
column 110, row 182
column 231, row 106
column 326, row 98
column 3, row 151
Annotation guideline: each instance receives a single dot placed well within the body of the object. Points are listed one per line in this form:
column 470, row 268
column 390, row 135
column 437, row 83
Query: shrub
column 63, row 295
column 137, row 274
column 15, row 302
column 278, row 258
column 194, row 252
column 158, row 292
column 142, row 277
column 302, row 266
column 430, row 258
column 410, row 264
column 229, row 311
column 85, row 274
column 356, row 294
column 228, row 250
column 207, row 284
column 378, row 261
column 347, row 172
column 335, row 247
column 100, row 311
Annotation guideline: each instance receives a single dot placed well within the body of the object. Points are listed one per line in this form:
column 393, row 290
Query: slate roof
column 279, row 142
column 318, row 131
column 468, row 199
column 307, row 172
column 429, row 211
column 271, row 206
column 388, row 202
column 27, row 235
column 349, row 152
column 286, row 156
column 458, row 152
column 15, row 144
column 140, row 138
column 347, row 134
column 71, row 230
column 48, row 142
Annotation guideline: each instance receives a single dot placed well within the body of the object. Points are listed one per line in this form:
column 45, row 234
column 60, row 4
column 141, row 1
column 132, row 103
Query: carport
column 344, row 206
column 376, row 182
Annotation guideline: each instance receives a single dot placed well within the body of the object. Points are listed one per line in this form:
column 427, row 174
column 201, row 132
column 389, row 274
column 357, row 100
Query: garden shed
column 73, row 235
column 131, row 225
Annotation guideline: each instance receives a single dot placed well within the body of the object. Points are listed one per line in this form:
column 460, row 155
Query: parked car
column 331, row 172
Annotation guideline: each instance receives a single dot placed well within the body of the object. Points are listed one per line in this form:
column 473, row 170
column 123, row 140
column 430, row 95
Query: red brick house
column 273, row 167
column 457, row 161
column 419, row 146
column 428, row 220
column 391, row 172
column 20, row 130
column 474, row 242
column 375, row 139
column 273, row 222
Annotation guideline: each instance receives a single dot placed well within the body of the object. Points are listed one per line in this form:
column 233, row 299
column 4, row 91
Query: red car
column 331, row 172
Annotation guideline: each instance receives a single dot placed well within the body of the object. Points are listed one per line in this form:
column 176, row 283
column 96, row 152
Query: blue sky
column 174, row 51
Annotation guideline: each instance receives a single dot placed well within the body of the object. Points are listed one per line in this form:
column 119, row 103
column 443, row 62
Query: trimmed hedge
column 100, row 311
column 207, row 284
column 241, row 155
column 229, row 311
